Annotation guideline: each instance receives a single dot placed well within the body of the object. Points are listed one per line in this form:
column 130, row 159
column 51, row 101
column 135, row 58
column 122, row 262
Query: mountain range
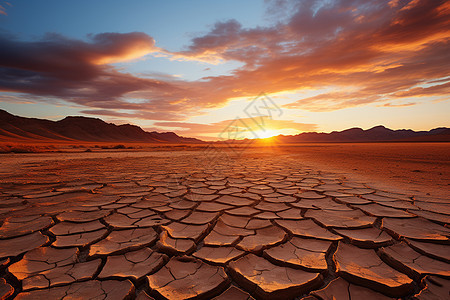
column 15, row 128
column 83, row 129
column 375, row 134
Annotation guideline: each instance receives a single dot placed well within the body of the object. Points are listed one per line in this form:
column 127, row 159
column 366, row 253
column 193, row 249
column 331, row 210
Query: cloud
column 441, row 89
column 33, row 67
column 80, row 72
column 247, row 124
column 333, row 101
column 229, row 41
column 3, row 8
column 136, row 114
column 398, row 104
column 365, row 51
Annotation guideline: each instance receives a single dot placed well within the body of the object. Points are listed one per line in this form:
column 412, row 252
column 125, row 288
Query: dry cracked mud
column 251, row 227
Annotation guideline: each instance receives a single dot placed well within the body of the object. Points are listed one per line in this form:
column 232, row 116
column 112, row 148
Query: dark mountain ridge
column 375, row 134
column 80, row 129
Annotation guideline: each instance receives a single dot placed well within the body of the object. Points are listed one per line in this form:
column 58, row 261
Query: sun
column 264, row 134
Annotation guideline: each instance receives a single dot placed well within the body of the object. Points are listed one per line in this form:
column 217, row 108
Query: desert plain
column 267, row 221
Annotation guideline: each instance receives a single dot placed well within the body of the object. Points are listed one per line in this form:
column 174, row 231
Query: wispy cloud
column 3, row 6
column 389, row 104
column 436, row 90
column 246, row 124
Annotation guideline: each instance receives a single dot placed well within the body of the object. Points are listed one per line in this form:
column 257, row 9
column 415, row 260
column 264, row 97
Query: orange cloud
column 333, row 101
column 398, row 104
column 111, row 47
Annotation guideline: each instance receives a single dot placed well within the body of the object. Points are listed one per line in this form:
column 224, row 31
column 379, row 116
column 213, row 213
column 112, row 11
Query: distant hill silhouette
column 15, row 128
column 375, row 134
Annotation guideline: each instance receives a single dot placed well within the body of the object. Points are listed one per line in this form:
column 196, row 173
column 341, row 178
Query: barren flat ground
column 307, row 221
column 416, row 168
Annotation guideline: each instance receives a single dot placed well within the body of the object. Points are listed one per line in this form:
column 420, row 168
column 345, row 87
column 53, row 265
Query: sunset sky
column 193, row 66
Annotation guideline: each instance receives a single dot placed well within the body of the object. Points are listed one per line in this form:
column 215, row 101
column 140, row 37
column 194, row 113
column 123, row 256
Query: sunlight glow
column 268, row 133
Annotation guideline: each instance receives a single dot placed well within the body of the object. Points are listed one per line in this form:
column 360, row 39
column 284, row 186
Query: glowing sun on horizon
column 268, row 133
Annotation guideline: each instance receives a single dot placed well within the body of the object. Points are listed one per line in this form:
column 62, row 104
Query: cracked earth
column 169, row 226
